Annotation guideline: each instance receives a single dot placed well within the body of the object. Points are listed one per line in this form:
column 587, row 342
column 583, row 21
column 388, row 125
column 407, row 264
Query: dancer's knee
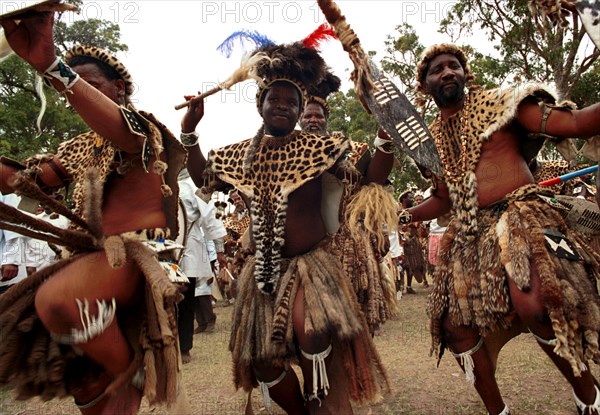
column 266, row 372
column 459, row 338
column 74, row 321
column 530, row 310
column 53, row 309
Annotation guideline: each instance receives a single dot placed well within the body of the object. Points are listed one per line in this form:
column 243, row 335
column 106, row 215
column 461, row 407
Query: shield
column 589, row 12
column 393, row 111
column 399, row 118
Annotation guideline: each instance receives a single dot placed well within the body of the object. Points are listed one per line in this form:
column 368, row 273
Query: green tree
column 20, row 104
column 529, row 48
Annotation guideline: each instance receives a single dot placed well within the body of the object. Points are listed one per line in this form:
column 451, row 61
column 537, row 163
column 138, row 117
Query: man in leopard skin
column 100, row 324
column 509, row 263
column 294, row 303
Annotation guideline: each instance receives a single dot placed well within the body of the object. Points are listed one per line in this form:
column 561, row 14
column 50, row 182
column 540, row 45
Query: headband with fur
column 105, row 57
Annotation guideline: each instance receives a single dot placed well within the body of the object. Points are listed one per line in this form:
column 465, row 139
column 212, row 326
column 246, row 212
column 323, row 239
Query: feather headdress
column 322, row 33
column 298, row 63
column 318, row 93
column 243, row 36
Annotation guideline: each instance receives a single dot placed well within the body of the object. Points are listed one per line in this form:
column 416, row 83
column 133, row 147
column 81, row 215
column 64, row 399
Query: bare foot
column 126, row 401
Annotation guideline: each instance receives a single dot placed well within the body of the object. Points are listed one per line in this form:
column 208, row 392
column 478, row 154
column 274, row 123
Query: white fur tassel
column 247, row 70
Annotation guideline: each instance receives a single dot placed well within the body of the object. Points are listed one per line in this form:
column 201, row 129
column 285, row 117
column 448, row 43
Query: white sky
column 172, row 48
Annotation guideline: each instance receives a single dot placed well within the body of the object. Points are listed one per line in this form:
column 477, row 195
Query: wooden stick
column 199, row 97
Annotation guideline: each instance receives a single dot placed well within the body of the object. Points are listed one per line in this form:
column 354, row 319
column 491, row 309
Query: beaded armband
column 405, row 217
column 61, row 72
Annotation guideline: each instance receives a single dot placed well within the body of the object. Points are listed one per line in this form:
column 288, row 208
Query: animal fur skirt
column 262, row 329
column 372, row 281
column 34, row 364
column 470, row 285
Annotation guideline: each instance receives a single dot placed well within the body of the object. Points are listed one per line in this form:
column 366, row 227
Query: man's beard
column 318, row 129
column 315, row 128
column 447, row 97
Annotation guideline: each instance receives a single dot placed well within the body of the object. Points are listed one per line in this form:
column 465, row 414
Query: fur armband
column 36, row 173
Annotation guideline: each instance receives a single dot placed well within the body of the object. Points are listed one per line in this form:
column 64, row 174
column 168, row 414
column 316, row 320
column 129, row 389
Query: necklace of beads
column 455, row 166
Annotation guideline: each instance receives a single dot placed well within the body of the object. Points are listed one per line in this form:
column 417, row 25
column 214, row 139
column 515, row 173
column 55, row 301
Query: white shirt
column 38, row 254
column 202, row 224
column 12, row 245
column 435, row 228
column 395, row 248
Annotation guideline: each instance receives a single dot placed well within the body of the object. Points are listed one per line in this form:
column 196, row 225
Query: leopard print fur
column 488, row 111
column 103, row 56
column 281, row 166
column 234, row 224
column 550, row 169
column 89, row 150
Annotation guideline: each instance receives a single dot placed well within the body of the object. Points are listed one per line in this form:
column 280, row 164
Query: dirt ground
column 529, row 382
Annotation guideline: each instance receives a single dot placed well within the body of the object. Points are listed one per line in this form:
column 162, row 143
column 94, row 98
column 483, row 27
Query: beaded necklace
column 455, row 165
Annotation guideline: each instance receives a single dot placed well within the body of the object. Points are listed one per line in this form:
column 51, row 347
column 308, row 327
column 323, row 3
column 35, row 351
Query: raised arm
column 32, row 40
column 196, row 162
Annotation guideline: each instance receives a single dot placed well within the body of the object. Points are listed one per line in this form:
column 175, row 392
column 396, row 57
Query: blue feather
column 243, row 36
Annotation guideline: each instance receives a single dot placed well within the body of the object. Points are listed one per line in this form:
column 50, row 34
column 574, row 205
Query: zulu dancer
column 99, row 325
column 509, row 262
column 361, row 252
column 294, row 302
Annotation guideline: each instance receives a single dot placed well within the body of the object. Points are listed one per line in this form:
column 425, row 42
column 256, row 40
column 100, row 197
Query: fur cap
column 105, row 57
column 295, row 63
column 430, row 53
column 319, row 92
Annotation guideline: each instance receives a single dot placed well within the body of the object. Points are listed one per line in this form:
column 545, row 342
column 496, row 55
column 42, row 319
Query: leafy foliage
column 529, row 49
column 20, row 105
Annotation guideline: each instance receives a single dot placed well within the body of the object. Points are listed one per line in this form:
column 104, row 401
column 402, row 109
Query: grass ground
column 528, row 380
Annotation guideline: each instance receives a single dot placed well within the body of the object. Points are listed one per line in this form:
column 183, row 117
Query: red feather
column 322, row 33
